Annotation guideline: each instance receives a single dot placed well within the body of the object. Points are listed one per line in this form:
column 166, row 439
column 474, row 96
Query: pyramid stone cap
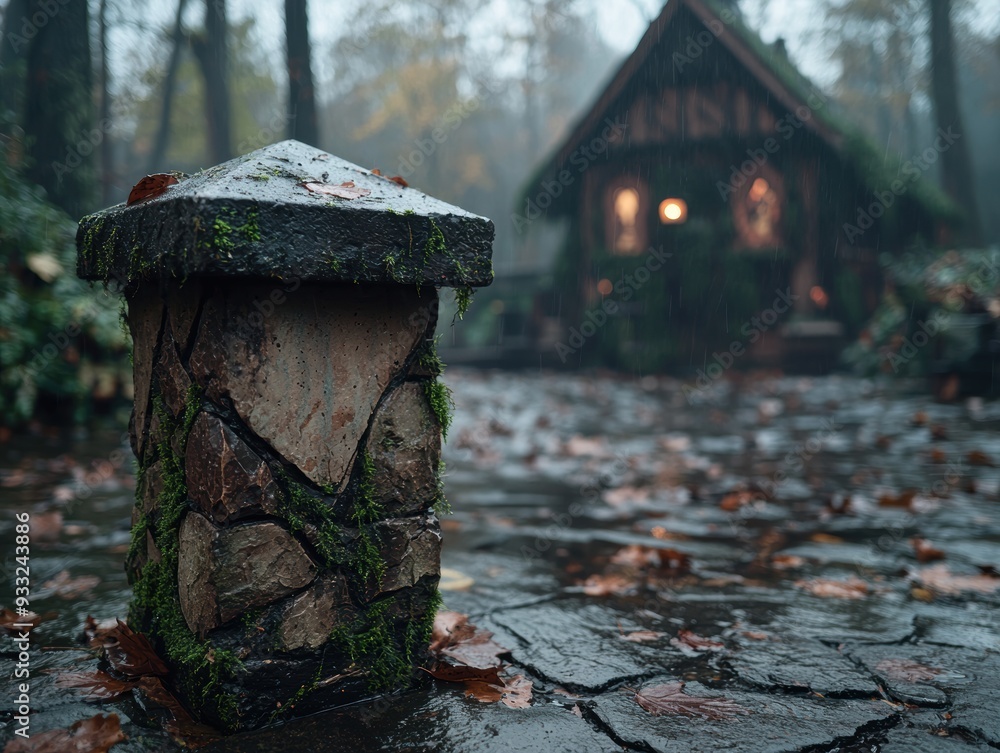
column 254, row 217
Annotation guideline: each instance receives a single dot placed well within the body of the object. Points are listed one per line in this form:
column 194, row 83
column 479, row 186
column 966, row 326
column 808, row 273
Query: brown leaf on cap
column 670, row 699
column 150, row 187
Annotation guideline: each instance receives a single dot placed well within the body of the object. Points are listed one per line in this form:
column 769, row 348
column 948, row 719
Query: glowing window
column 626, row 220
column 673, row 211
column 757, row 211
column 604, row 287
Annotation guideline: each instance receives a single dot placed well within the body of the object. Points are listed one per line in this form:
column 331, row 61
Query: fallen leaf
column 461, row 673
column 664, row 561
column 346, row 190
column 608, row 585
column 939, row 432
column 399, row 179
column 826, row 538
column 641, row 636
column 9, row 618
column 131, row 653
column 182, row 727
column 691, row 643
column 149, row 187
column 976, row 457
column 94, row 735
column 925, row 551
column 787, row 561
column 670, row 698
column 904, row 670
column 46, row 526
column 903, row 499
column 919, row 418
column 852, row 588
column 94, row 632
column 514, row 693
column 453, row 636
column 940, row 579
column 65, row 586
column 96, row 686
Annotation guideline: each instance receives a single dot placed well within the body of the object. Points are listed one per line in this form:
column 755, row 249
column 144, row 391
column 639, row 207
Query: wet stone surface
column 799, row 601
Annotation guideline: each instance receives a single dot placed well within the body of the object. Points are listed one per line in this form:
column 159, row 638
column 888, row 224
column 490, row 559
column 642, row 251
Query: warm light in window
column 604, row 287
column 818, row 296
column 626, row 217
column 673, row 211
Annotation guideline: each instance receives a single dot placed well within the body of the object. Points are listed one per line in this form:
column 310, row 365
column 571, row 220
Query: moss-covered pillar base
column 285, row 552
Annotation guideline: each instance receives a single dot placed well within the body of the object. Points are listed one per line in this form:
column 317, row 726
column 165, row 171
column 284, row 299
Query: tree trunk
column 956, row 168
column 159, row 151
column 212, row 53
column 301, row 94
column 13, row 54
column 59, row 109
column 104, row 117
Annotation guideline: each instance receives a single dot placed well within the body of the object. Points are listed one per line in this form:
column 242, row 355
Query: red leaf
column 670, row 698
column 939, row 578
column 925, row 551
column 94, row 735
column 400, row 180
column 182, row 728
column 346, row 190
column 905, row 670
column 852, row 588
column 454, row 637
column 131, row 653
column 451, row 673
column 691, row 643
column 96, row 686
column 9, row 618
column 149, row 187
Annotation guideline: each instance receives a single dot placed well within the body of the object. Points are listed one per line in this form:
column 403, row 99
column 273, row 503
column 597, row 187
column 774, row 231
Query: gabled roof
column 781, row 80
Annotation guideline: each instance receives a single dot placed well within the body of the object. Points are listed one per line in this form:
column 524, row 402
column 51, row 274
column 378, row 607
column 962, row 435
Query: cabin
column 720, row 209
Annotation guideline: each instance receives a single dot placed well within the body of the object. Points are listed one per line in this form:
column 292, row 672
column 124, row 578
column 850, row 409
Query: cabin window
column 626, row 218
column 757, row 211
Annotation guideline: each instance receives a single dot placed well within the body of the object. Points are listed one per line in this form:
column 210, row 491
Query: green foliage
column 46, row 312
column 367, row 510
column 429, row 359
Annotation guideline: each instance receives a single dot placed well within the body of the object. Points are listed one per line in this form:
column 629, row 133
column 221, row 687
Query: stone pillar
column 287, row 423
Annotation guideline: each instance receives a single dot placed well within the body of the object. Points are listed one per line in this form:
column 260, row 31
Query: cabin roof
column 779, row 77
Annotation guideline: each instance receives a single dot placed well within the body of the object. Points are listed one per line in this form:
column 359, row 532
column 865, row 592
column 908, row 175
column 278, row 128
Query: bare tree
column 162, row 141
column 59, row 109
column 956, row 168
column 212, row 52
column 301, row 93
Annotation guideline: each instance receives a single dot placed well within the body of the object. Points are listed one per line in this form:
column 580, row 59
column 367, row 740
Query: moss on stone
column 366, row 511
column 300, row 508
column 202, row 668
column 463, row 297
column 435, row 242
column 429, row 360
column 441, row 505
column 441, row 402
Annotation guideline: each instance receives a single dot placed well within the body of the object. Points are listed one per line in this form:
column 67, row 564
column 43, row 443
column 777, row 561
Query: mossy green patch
column 435, row 242
column 463, row 298
column 300, row 507
column 429, row 360
column 366, row 511
column 441, row 402
column 441, row 505
column 372, row 641
column 201, row 667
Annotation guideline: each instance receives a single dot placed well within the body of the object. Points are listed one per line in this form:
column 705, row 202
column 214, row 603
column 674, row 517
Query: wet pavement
column 811, row 558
